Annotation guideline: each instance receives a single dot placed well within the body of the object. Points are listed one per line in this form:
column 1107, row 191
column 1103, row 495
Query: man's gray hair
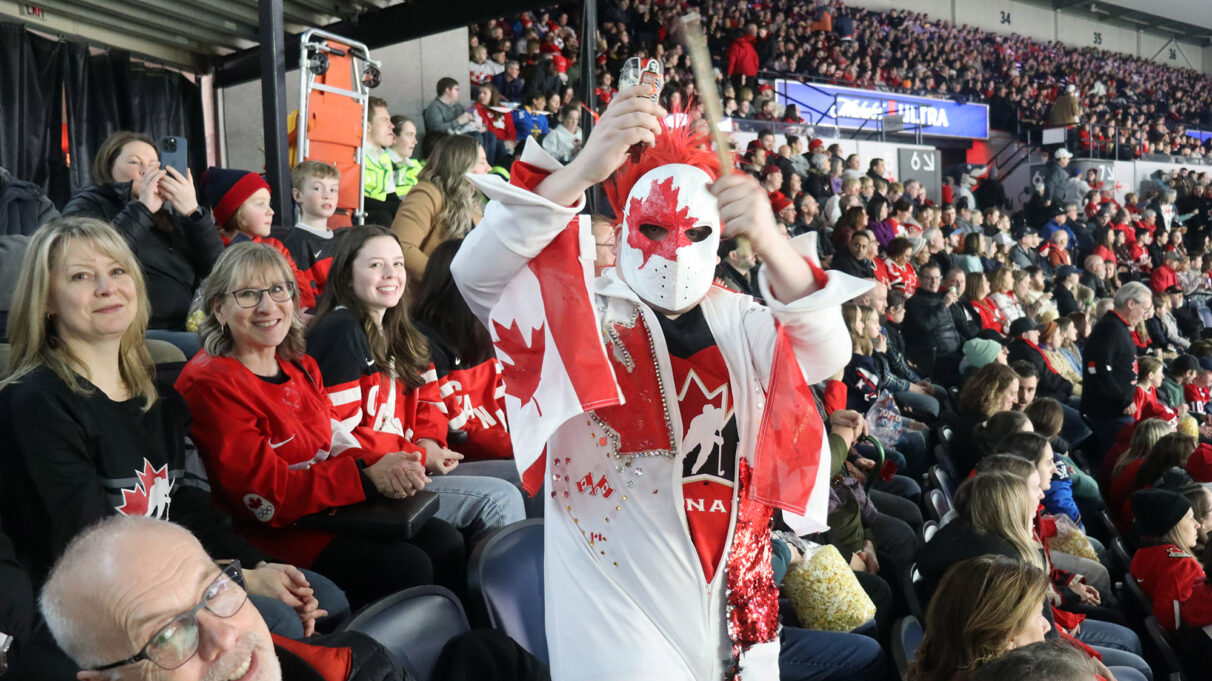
column 78, row 565
column 1070, row 206
column 1148, row 213
column 820, row 162
column 1133, row 290
column 512, row 62
column 929, row 234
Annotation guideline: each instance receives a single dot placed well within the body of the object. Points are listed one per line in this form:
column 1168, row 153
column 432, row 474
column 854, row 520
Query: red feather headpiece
column 687, row 143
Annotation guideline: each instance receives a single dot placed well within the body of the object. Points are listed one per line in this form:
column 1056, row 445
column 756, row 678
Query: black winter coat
column 176, row 252
column 1109, row 360
column 929, row 330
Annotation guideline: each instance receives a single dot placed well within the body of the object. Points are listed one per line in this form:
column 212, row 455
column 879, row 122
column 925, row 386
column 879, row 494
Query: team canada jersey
column 274, row 451
column 377, row 408
column 312, row 253
column 1176, row 583
column 709, row 434
column 473, row 399
column 1197, row 398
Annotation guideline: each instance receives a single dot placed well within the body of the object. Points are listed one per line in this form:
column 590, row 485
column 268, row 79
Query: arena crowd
column 1016, row 425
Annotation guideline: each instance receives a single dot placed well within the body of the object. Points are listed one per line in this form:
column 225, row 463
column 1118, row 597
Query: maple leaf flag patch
column 260, row 507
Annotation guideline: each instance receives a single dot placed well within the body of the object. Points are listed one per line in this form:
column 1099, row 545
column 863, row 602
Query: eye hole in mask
column 654, row 232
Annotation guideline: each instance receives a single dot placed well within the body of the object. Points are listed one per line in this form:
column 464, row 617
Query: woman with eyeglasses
column 89, row 432
column 156, row 211
column 275, row 447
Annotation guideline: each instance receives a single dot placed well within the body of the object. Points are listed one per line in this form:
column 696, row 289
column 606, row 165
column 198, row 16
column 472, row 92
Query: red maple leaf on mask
column 659, row 208
column 524, row 370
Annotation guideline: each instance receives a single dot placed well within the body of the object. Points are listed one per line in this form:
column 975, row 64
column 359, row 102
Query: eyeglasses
column 176, row 642
column 251, row 297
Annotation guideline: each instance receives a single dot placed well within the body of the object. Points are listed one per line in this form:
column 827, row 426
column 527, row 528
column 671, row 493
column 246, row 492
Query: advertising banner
column 828, row 105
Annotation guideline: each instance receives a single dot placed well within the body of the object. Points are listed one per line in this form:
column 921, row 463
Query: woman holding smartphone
column 156, row 211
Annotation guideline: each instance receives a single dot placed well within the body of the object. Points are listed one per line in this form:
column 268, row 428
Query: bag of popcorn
column 1070, row 539
column 825, row 593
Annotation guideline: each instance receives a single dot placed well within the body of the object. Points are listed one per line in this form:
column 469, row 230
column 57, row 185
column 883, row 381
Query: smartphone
column 647, row 72
column 174, row 153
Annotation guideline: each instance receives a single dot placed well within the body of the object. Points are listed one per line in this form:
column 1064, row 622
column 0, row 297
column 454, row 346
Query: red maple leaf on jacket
column 524, row 370
column 659, row 208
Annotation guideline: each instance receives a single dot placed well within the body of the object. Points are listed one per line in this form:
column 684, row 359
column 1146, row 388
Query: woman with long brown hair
column 984, row 607
column 376, row 369
column 443, row 204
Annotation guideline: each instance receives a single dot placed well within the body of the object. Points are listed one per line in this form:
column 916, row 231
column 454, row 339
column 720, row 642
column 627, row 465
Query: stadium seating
column 414, row 625
column 506, row 573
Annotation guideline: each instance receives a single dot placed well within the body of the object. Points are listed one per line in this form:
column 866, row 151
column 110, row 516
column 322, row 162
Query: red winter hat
column 779, row 203
column 815, row 144
column 227, row 189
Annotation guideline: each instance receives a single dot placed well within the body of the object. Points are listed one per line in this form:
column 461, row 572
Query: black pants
column 369, row 568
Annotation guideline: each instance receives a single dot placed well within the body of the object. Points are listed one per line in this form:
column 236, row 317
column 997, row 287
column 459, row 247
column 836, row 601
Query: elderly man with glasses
column 136, row 598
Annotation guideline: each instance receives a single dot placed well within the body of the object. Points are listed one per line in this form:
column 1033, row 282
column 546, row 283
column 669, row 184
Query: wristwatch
column 6, row 642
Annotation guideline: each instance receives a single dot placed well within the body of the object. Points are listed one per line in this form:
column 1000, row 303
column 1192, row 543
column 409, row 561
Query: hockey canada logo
column 151, row 495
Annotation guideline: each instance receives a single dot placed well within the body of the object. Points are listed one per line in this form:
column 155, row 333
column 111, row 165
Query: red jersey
column 1149, row 407
column 901, row 277
column 311, row 251
column 1197, row 398
column 270, row 450
column 1176, row 583
column 991, row 315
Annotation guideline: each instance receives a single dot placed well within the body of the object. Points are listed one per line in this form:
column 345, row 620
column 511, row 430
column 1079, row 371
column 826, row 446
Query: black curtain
column 108, row 92
column 31, row 104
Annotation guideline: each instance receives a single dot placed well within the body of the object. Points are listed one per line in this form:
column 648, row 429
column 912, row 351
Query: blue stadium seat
column 414, row 625
column 506, row 572
column 906, row 637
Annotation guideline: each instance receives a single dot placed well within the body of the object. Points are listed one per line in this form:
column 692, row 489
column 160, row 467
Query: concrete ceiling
column 1188, row 20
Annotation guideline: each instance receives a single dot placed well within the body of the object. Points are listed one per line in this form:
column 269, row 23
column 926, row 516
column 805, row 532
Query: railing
column 1110, row 150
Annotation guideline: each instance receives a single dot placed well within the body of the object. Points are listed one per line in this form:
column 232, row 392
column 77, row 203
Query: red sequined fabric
column 753, row 597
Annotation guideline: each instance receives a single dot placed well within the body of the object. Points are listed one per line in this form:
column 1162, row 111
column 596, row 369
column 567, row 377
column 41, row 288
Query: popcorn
column 825, row 593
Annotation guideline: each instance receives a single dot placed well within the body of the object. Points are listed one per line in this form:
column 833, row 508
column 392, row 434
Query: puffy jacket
column 23, row 206
column 1056, row 183
column 929, row 329
column 743, row 57
column 176, row 252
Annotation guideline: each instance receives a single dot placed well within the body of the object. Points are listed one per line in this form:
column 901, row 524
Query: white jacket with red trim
column 625, row 593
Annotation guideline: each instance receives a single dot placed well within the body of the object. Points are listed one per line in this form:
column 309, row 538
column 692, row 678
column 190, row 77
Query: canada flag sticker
column 262, row 509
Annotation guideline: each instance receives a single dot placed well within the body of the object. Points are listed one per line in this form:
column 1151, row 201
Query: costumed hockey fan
column 663, row 418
